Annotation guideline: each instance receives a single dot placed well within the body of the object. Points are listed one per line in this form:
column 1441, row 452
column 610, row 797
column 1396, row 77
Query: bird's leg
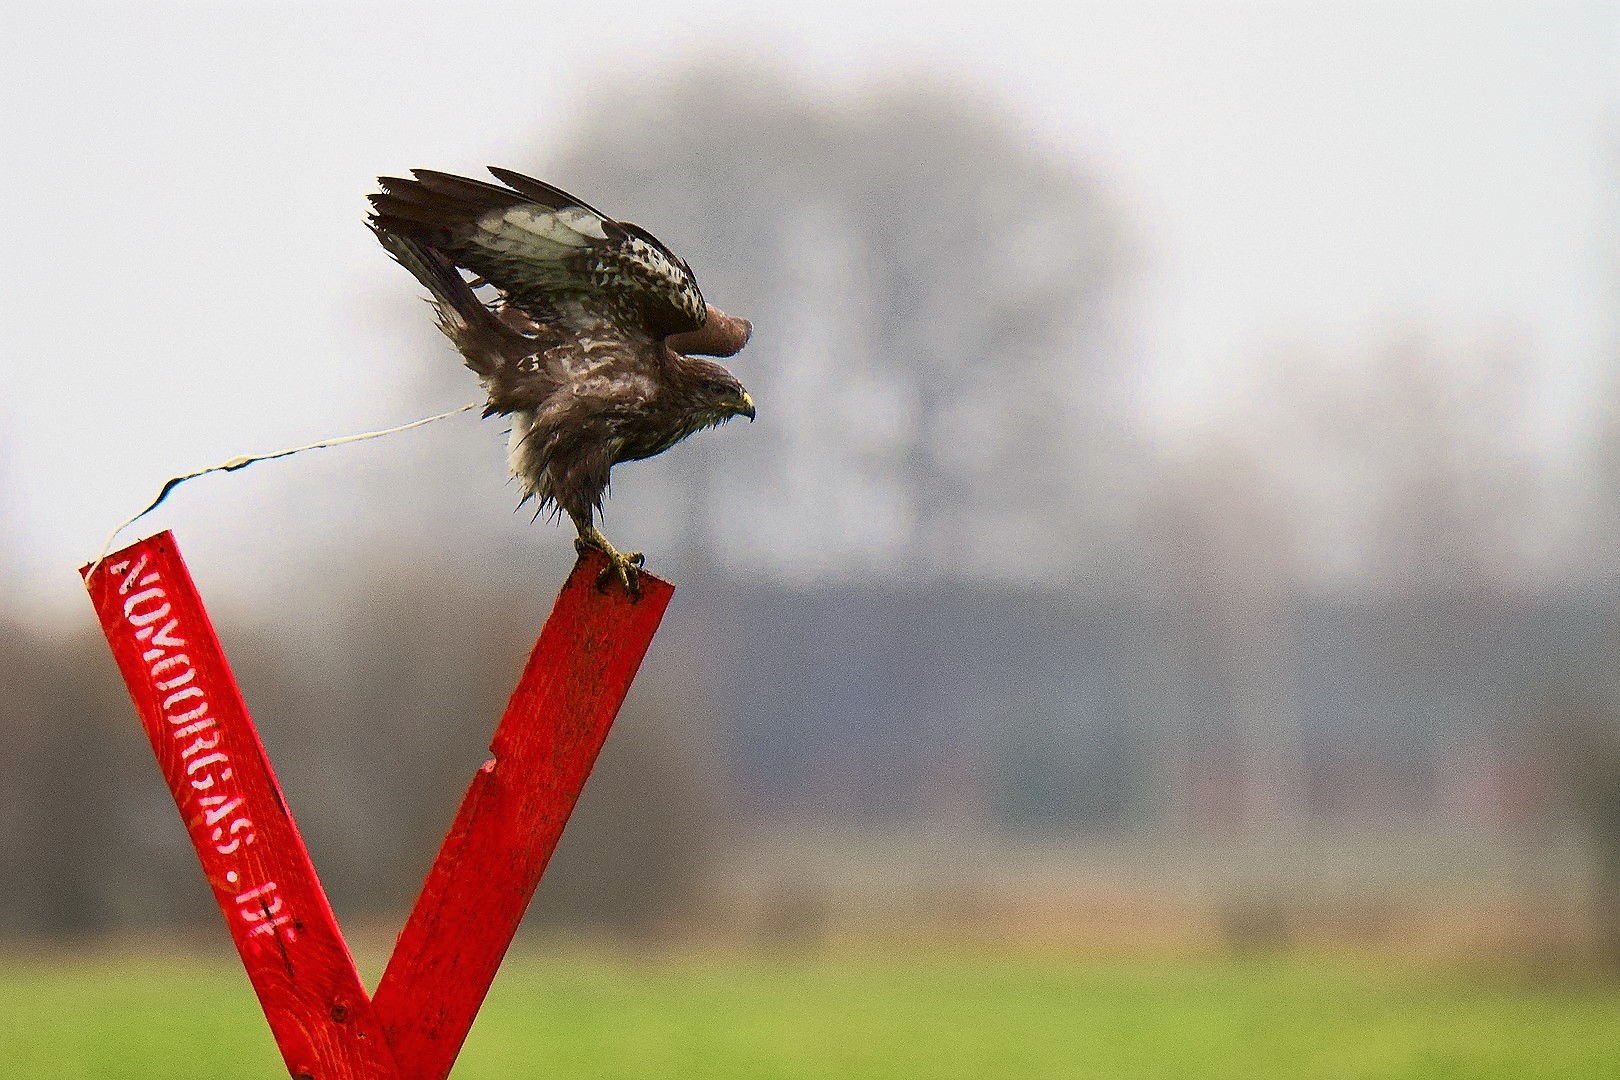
column 626, row 564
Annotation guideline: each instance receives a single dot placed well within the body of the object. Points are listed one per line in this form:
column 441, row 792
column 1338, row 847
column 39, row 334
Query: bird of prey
column 593, row 343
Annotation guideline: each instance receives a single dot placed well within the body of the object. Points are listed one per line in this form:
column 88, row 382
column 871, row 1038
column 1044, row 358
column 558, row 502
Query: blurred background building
column 1182, row 510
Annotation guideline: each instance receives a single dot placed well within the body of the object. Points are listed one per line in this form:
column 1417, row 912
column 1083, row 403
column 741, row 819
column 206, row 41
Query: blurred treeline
column 967, row 633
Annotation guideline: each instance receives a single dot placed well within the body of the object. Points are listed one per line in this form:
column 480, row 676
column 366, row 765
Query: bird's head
column 715, row 392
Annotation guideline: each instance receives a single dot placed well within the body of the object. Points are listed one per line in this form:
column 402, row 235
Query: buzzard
column 593, row 343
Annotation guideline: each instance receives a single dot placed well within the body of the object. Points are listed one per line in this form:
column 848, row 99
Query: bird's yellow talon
column 625, row 565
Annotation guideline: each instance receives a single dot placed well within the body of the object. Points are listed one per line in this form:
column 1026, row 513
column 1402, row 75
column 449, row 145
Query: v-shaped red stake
column 261, row 874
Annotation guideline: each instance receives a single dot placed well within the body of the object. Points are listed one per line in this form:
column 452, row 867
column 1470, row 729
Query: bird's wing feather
column 552, row 255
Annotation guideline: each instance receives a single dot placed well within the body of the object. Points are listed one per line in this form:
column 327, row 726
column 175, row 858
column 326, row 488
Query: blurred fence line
column 964, row 749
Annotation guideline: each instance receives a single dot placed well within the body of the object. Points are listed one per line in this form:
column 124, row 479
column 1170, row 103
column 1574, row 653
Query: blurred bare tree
column 938, row 354
column 1229, row 562
column 1582, row 739
column 1409, row 466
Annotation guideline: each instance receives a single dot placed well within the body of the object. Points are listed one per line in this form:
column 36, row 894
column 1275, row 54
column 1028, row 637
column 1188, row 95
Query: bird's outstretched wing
column 556, row 257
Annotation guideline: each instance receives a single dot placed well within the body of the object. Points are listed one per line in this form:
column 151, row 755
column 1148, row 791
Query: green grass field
column 886, row 1015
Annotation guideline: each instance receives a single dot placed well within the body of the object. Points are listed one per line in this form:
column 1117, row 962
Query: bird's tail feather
column 462, row 316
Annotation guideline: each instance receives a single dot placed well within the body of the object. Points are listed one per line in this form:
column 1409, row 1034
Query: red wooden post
column 513, row 815
column 233, row 808
column 487, row 871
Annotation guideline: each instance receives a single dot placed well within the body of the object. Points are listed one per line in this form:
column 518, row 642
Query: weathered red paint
column 208, row 748
column 513, row 815
column 260, row 871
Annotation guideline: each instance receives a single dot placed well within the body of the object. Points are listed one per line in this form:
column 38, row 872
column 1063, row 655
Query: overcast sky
column 182, row 189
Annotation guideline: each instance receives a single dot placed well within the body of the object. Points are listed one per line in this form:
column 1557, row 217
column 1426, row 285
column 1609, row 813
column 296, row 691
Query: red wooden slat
column 512, row 816
column 236, row 816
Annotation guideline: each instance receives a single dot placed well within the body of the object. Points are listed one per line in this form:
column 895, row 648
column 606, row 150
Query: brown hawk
column 592, row 344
